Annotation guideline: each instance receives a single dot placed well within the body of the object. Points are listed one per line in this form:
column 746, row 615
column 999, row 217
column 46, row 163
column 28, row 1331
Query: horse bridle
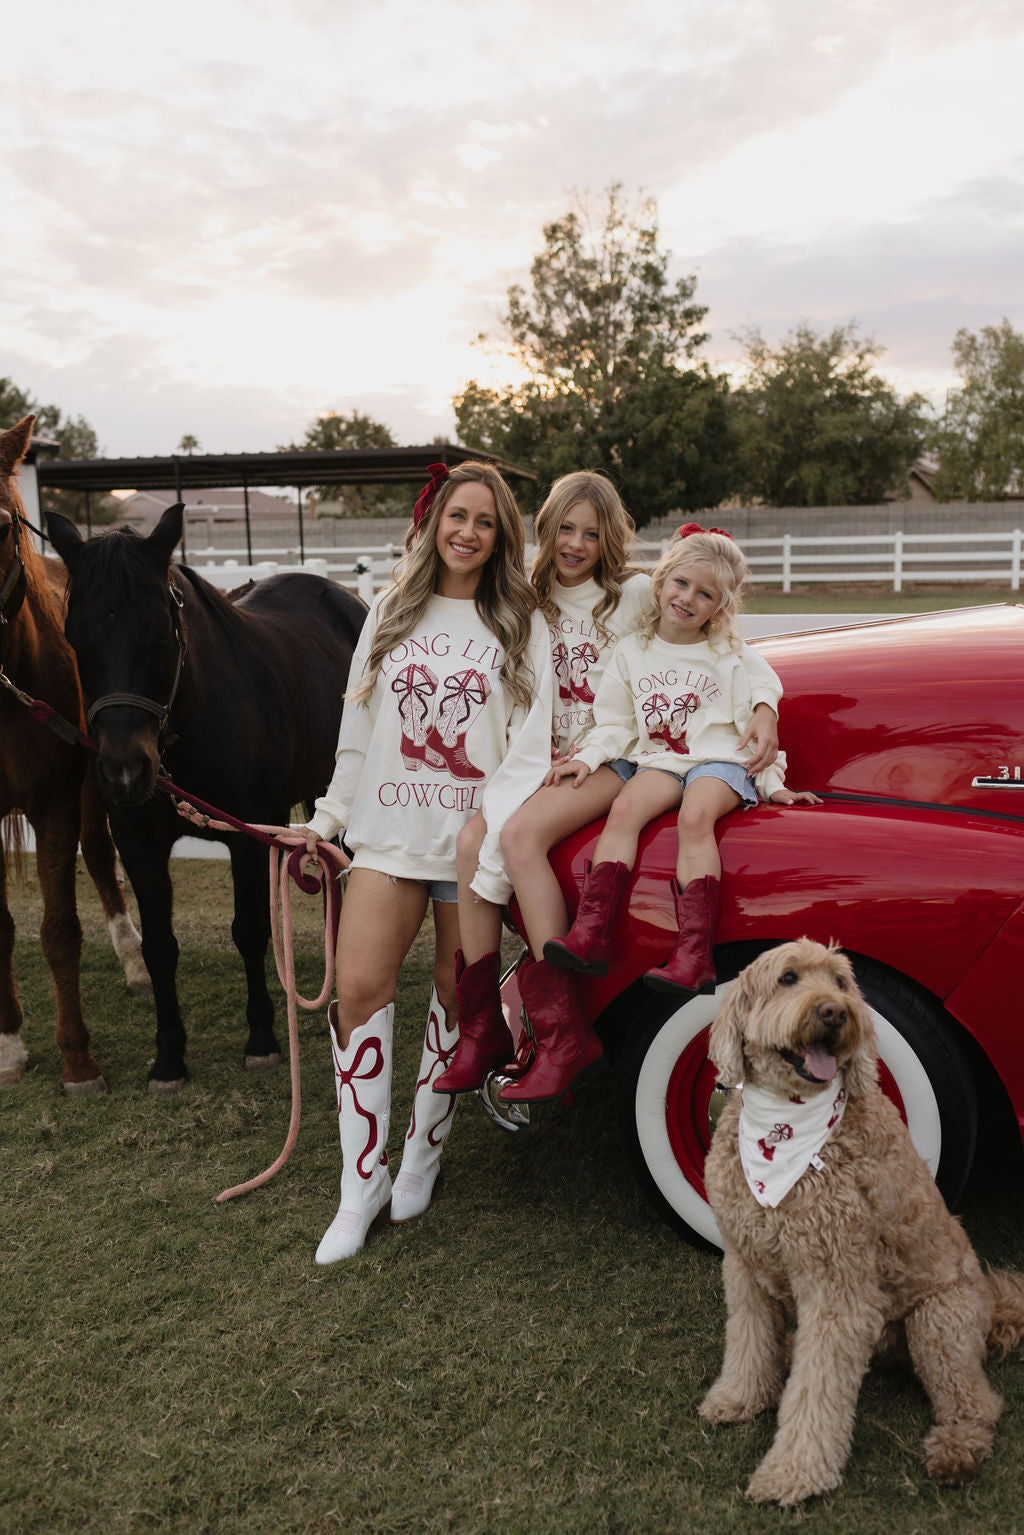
column 12, row 592
column 137, row 700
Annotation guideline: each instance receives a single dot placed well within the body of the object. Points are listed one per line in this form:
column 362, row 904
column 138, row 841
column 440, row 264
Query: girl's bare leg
column 446, row 941
column 547, row 816
column 479, row 920
column 643, row 799
column 705, row 802
column 380, row 917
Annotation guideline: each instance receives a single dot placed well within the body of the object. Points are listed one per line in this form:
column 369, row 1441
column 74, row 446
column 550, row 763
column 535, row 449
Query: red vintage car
column 912, row 730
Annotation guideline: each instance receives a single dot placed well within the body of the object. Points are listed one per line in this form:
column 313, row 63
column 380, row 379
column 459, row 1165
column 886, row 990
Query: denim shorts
column 622, row 768
column 731, row 773
column 443, row 890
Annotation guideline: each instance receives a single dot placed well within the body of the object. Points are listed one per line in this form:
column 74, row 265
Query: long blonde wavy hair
column 615, row 530
column 504, row 597
column 730, row 570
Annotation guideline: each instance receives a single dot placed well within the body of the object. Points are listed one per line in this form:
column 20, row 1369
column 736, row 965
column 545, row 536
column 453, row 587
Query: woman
column 448, row 711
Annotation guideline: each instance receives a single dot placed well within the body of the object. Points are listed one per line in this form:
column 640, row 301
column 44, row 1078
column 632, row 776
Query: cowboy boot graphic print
column 583, row 658
column 415, row 688
column 560, row 660
column 682, row 708
column 465, row 694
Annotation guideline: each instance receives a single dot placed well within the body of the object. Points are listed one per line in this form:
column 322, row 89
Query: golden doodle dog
column 830, row 1219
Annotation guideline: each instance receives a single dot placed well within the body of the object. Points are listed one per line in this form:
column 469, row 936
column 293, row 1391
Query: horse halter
column 12, row 592
column 137, row 700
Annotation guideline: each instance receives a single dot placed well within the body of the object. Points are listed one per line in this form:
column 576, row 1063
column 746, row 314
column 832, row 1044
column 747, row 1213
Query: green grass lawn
column 868, row 598
column 526, row 1357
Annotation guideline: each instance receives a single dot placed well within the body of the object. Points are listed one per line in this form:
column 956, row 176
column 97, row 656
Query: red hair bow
column 438, row 474
column 695, row 527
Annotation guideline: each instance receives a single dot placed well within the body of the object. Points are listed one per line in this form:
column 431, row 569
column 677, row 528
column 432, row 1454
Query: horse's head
column 123, row 619
column 13, row 447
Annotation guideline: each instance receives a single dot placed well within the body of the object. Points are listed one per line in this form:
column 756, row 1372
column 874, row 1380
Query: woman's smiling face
column 467, row 532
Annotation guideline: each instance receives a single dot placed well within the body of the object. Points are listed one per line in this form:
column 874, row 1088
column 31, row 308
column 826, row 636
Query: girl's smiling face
column 577, row 545
column 467, row 531
column 688, row 598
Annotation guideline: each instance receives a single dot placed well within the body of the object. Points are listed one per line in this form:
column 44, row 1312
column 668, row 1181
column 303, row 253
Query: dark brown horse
column 239, row 703
column 41, row 777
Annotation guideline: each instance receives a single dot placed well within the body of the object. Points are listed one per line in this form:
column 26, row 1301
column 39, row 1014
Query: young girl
column 680, row 697
column 448, row 710
column 589, row 598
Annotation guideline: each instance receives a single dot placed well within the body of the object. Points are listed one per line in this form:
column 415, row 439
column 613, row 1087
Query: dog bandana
column 780, row 1138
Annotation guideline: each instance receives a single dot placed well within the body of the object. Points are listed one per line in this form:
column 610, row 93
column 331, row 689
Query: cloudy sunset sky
column 224, row 217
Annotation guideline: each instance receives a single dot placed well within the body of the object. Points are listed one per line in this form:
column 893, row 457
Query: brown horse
column 43, row 778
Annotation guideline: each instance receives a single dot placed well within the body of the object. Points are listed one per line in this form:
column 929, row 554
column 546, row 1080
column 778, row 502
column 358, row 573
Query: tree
column 188, row 444
column 605, row 344
column 979, row 443
column 73, row 434
column 354, row 430
column 818, row 427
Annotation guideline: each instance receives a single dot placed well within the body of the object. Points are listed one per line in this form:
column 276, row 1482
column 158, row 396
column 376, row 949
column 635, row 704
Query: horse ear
column 164, row 538
column 725, row 1045
column 64, row 536
column 14, row 444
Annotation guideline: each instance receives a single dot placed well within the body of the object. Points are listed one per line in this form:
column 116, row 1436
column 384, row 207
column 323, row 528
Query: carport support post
column 181, row 498
column 88, row 515
column 302, row 543
column 248, row 524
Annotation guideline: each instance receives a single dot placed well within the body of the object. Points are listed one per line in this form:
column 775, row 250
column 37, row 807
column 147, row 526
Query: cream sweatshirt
column 674, row 706
column 580, row 654
column 438, row 739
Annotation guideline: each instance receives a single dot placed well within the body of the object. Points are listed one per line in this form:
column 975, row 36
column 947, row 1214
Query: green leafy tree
column 188, row 444
column 354, row 429
column 75, row 439
column 818, row 426
column 979, row 443
column 606, row 345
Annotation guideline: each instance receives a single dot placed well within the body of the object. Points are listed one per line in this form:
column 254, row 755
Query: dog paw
column 786, row 1482
column 723, row 1406
column 954, row 1452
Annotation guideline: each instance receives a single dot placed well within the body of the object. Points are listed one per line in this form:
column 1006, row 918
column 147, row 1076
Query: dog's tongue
column 819, row 1063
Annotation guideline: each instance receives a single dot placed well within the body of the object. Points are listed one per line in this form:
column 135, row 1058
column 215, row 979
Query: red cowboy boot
column 465, row 694
column 586, row 945
column 566, row 1047
column 430, row 1121
column 691, row 967
column 484, row 1039
column 415, row 687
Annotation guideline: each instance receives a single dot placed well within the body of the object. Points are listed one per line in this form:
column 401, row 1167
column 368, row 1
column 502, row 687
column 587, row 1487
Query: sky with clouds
column 223, row 217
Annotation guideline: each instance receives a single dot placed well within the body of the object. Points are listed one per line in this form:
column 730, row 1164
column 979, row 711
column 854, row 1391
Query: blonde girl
column 589, row 597
column 448, row 710
column 682, row 697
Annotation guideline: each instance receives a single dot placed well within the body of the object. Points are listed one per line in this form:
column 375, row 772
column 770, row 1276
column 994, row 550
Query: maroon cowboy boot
column 566, row 1047
column 586, row 945
column 484, row 1039
column 691, row 967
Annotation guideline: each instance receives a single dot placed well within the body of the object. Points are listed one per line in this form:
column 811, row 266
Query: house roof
column 207, row 471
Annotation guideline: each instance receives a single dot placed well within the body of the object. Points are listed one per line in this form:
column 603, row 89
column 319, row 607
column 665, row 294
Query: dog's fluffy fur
column 861, row 1254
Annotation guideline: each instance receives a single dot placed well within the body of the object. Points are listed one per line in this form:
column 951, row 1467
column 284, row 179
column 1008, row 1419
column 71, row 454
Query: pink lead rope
column 311, row 873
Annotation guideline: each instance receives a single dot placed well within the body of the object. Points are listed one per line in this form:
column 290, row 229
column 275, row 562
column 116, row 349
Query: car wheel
column 667, row 1098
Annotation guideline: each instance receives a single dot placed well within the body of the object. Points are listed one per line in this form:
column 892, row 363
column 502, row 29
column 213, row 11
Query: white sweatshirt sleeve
column 613, row 732
column 522, row 770
column 335, row 805
column 771, row 778
column 765, row 685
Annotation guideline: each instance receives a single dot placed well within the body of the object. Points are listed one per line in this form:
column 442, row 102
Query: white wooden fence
column 893, row 558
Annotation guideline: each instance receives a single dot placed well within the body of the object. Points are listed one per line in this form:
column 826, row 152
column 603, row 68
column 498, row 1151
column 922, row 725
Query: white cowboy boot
column 362, row 1076
column 430, row 1121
